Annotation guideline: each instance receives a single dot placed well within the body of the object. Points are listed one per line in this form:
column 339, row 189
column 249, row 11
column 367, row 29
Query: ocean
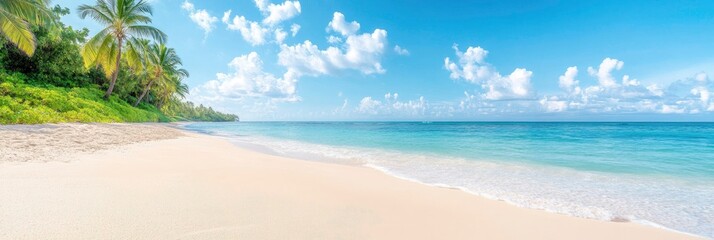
column 659, row 174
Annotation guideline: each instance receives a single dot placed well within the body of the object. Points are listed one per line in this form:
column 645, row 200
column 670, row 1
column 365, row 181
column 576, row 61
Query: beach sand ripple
column 53, row 142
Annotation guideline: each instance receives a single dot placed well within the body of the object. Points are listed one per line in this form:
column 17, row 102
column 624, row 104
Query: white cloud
column 339, row 25
column 201, row 17
column 628, row 95
column 411, row 107
column 280, row 35
column 252, row 32
column 517, row 85
column 248, row 80
column 703, row 94
column 471, row 65
column 627, row 82
column 294, row 29
column 655, row 90
column 668, row 109
column 306, row 58
column 473, row 68
column 188, row 6
column 696, row 92
column 368, row 105
column 360, row 52
column 280, row 12
column 568, row 82
column 257, row 33
column 604, row 72
column 334, row 39
column 226, row 17
column 553, row 104
column 401, row 51
column 691, row 95
column 392, row 106
column 262, row 5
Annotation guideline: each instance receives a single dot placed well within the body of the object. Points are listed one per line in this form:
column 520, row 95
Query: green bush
column 29, row 104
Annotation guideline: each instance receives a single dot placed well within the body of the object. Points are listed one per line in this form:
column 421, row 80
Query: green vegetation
column 64, row 80
column 123, row 21
column 29, row 104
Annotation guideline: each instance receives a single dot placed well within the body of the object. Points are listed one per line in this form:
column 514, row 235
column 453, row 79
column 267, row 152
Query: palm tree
column 162, row 68
column 124, row 20
column 170, row 92
column 16, row 17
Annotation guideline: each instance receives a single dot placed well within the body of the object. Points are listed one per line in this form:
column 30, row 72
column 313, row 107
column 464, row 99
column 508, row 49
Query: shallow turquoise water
column 654, row 173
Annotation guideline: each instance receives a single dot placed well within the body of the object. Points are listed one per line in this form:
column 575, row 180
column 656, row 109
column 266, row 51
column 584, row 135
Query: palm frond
column 136, row 54
column 90, row 50
column 98, row 13
column 18, row 32
column 144, row 31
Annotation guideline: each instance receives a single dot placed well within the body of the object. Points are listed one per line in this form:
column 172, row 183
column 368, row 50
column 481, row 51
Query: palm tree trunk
column 115, row 74
column 146, row 90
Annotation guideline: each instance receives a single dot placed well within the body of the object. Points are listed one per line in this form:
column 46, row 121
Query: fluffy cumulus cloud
column 602, row 90
column 392, row 106
column 368, row 105
column 339, row 25
column 252, row 32
column 277, row 13
column 351, row 50
column 260, row 32
column 568, row 82
column 514, row 86
column 628, row 95
column 280, row 35
column 472, row 67
column 294, row 29
column 200, row 16
column 692, row 94
column 604, row 72
column 262, row 5
column 401, row 51
column 553, row 104
column 248, row 79
column 362, row 52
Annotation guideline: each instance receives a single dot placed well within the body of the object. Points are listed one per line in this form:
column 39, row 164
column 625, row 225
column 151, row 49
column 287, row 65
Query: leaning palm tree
column 163, row 67
column 16, row 18
column 124, row 20
column 169, row 92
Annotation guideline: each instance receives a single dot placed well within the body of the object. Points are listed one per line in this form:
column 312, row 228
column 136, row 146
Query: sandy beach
column 150, row 181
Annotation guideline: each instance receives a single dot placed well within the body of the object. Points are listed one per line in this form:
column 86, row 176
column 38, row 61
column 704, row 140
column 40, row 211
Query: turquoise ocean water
column 652, row 173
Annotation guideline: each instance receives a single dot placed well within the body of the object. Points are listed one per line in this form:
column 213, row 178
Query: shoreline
column 330, row 182
column 526, row 185
column 246, row 145
column 465, row 190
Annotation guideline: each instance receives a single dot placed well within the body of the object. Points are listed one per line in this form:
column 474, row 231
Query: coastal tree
column 17, row 18
column 124, row 21
column 172, row 91
column 162, row 68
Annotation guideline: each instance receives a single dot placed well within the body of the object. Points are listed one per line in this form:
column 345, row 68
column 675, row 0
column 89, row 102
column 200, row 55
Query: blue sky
column 455, row 60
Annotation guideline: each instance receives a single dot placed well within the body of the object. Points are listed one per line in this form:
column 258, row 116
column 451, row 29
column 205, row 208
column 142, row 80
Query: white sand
column 202, row 187
column 55, row 142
